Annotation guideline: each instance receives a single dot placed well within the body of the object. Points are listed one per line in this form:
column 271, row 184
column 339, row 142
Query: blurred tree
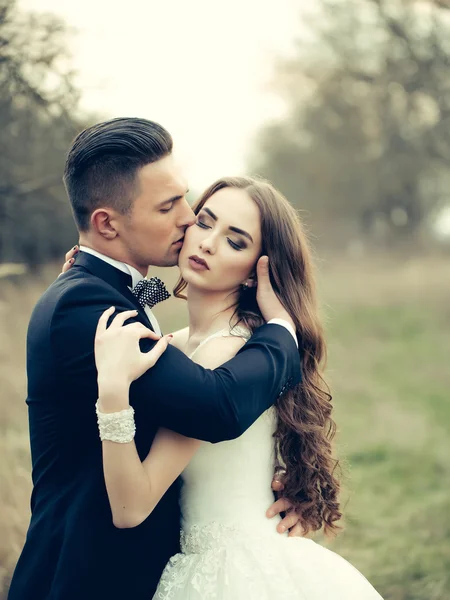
column 38, row 103
column 365, row 144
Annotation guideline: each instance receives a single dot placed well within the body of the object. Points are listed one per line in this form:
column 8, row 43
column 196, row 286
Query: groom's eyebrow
column 231, row 228
column 174, row 198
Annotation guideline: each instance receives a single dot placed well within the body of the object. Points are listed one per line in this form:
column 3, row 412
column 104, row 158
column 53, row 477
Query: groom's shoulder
column 72, row 305
column 75, row 288
column 71, row 283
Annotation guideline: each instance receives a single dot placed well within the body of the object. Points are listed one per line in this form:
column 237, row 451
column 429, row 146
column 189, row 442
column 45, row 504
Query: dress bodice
column 230, row 550
column 230, row 482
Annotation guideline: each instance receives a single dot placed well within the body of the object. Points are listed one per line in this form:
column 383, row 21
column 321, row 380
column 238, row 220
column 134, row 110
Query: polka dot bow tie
column 150, row 291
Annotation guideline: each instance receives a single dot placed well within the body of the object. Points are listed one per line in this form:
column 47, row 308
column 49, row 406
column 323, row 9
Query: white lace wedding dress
column 230, row 550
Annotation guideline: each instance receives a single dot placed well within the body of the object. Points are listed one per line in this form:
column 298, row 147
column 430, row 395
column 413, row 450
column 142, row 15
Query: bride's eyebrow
column 241, row 231
column 231, row 228
column 210, row 213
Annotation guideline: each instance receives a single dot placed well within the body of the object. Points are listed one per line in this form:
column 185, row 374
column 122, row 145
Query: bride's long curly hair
column 305, row 428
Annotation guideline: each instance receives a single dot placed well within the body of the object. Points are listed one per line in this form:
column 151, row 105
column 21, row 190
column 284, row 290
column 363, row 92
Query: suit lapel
column 114, row 277
column 132, row 298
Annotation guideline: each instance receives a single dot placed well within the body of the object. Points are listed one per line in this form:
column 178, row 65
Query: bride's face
column 221, row 249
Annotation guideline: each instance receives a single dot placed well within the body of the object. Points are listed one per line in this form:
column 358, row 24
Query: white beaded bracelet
column 116, row 427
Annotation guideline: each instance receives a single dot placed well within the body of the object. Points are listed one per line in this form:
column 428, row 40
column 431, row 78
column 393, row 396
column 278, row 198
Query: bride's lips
column 198, row 264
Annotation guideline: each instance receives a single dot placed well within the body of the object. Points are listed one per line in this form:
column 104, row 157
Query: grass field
column 388, row 327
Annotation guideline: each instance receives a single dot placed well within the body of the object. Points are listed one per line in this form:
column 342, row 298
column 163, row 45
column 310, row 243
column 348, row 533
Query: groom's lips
column 179, row 242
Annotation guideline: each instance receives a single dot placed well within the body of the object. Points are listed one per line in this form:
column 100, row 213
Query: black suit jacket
column 72, row 550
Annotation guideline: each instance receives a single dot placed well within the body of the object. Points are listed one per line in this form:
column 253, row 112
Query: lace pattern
column 116, row 427
column 225, row 563
column 208, row 553
column 202, row 539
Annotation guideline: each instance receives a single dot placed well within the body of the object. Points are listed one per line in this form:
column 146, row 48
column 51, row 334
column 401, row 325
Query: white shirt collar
column 136, row 277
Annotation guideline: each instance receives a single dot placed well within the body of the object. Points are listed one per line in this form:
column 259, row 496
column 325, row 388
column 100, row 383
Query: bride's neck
column 208, row 311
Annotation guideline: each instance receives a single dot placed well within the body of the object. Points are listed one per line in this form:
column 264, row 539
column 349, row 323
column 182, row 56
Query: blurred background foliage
column 363, row 151
column 38, row 101
column 365, row 145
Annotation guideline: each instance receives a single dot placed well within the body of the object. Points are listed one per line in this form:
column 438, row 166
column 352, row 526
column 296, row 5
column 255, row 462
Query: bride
column 229, row 548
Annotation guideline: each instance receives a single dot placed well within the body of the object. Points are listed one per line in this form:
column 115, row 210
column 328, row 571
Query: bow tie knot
column 150, row 291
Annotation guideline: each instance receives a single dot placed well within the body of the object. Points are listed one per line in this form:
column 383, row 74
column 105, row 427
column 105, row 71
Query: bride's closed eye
column 202, row 225
column 234, row 245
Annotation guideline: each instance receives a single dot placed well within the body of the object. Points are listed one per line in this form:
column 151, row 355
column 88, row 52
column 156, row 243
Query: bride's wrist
column 113, row 396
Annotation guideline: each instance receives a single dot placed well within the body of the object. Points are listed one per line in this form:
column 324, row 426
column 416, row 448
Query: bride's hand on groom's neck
column 268, row 302
column 69, row 259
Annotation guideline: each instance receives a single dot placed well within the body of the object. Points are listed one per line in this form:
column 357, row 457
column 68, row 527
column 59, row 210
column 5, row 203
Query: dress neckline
column 236, row 331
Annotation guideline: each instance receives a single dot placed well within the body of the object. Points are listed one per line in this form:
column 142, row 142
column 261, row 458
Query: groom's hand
column 268, row 302
column 291, row 521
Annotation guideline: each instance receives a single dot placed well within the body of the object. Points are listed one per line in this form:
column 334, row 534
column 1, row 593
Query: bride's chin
column 184, row 272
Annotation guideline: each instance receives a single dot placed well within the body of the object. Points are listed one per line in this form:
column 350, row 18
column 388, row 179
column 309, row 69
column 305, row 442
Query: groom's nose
column 187, row 216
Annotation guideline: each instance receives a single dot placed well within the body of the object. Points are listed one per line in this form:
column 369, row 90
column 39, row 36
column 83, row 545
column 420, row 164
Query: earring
column 245, row 286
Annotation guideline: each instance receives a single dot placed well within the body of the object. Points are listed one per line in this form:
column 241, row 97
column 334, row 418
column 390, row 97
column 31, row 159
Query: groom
column 129, row 204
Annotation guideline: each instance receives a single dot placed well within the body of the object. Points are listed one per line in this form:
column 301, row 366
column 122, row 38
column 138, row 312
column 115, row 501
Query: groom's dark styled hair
column 102, row 164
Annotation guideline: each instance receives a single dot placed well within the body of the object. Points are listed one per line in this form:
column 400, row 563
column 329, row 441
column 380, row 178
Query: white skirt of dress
column 222, row 563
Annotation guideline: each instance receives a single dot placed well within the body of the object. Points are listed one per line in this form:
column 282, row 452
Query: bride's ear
column 250, row 282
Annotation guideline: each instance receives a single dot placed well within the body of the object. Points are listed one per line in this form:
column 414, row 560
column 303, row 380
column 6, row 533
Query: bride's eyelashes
column 202, row 225
column 234, row 245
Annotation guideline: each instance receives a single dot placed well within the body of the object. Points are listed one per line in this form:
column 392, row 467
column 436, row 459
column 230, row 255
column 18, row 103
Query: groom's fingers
column 278, row 479
column 268, row 302
column 265, row 295
column 262, row 272
column 290, row 520
column 281, row 505
column 297, row 531
column 277, row 485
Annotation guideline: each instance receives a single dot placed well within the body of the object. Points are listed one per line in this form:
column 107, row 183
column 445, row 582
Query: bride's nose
column 208, row 244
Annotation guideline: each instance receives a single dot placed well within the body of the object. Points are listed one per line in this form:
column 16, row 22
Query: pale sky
column 199, row 67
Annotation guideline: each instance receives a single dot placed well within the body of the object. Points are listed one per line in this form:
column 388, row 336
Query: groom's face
column 154, row 230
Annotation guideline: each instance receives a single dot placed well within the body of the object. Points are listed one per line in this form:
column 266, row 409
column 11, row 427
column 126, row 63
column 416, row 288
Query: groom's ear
column 103, row 222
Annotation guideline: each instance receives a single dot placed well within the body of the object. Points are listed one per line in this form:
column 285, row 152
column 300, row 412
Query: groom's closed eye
column 167, row 208
column 167, row 205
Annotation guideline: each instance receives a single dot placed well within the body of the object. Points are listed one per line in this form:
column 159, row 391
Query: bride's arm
column 134, row 488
